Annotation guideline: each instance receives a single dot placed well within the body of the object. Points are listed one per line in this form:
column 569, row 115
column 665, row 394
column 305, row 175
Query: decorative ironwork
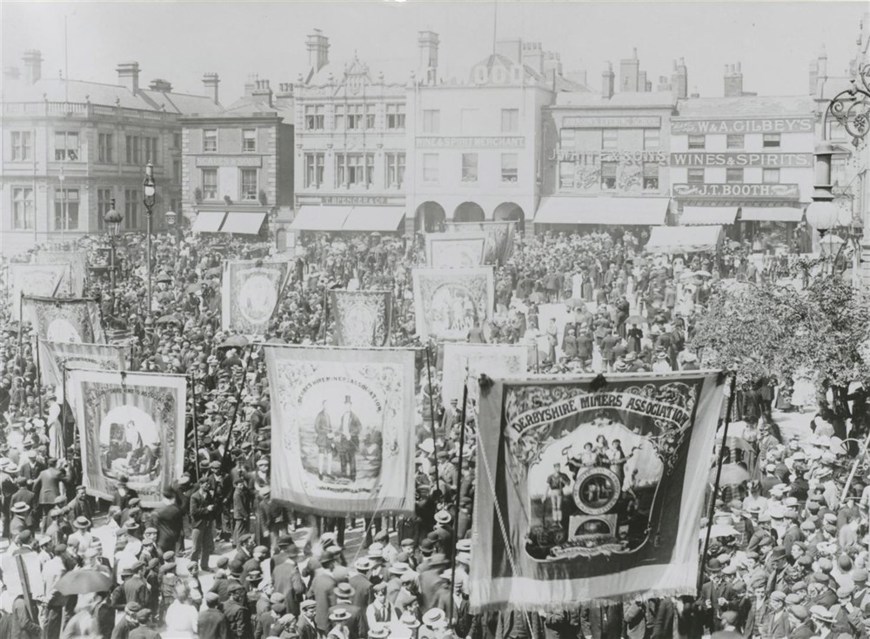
column 851, row 107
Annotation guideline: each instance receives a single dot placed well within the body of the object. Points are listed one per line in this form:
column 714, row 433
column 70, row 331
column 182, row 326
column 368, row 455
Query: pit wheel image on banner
column 342, row 429
column 130, row 425
column 590, row 495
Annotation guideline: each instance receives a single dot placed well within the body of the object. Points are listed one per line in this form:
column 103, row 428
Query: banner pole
column 39, row 379
column 432, row 416
column 458, row 486
column 858, row 460
column 712, row 509
column 195, row 429
column 325, row 314
column 21, row 324
column 226, row 457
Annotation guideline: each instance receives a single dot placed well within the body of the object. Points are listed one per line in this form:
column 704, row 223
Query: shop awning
column 374, row 218
column 320, row 218
column 244, row 223
column 208, row 221
column 771, row 214
column 701, row 215
column 684, row 239
column 649, row 211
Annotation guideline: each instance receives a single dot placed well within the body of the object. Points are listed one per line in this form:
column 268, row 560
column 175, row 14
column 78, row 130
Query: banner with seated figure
column 342, row 429
column 64, row 320
column 362, row 318
column 448, row 303
column 589, row 492
column 131, row 425
column 249, row 292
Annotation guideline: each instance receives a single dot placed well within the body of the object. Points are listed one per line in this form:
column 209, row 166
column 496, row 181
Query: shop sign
column 353, row 200
column 595, row 157
column 612, row 122
column 743, row 125
column 231, row 160
column 471, row 142
column 777, row 160
column 745, row 191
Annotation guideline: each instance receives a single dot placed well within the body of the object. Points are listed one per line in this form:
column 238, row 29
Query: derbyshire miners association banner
column 455, row 250
column 448, row 302
column 249, row 293
column 493, row 360
column 130, row 425
column 64, row 320
column 42, row 280
column 342, row 429
column 499, row 238
column 598, row 493
column 78, row 268
column 362, row 318
column 55, row 356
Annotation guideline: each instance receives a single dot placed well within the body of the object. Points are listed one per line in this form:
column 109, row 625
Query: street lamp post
column 851, row 109
column 149, row 190
column 113, row 221
column 63, row 205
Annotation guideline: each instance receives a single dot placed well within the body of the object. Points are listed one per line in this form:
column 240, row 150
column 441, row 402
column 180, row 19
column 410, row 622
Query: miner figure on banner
column 348, row 440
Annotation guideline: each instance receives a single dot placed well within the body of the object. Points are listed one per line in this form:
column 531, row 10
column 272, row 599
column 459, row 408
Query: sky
column 179, row 41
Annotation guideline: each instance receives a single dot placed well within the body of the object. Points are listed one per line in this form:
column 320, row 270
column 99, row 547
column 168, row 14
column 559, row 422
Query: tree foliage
column 773, row 329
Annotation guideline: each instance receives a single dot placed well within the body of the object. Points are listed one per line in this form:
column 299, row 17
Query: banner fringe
column 557, row 607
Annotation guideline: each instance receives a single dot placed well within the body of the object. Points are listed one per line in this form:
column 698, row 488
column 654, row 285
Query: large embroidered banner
column 249, row 292
column 342, row 429
column 130, row 425
column 455, row 250
column 42, row 280
column 78, row 268
column 64, row 320
column 55, row 356
column 448, row 302
column 499, row 238
column 585, row 495
column 362, row 318
column 492, row 360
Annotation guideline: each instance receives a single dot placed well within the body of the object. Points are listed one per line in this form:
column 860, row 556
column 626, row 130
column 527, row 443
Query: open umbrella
column 82, row 581
column 163, row 278
column 168, row 319
column 636, row 319
column 732, row 475
column 234, row 341
column 702, row 273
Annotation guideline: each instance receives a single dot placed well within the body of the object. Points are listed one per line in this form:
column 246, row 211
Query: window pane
column 430, row 167
column 651, row 138
column 697, row 141
column 509, row 167
column 733, row 176
column 696, row 176
column 771, row 140
column 770, row 176
column 469, row 167
column 609, row 139
column 735, row 141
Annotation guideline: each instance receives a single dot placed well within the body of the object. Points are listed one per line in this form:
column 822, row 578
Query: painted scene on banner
column 450, row 302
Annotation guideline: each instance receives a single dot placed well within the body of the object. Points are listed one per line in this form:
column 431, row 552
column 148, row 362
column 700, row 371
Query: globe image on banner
column 257, row 298
column 62, row 330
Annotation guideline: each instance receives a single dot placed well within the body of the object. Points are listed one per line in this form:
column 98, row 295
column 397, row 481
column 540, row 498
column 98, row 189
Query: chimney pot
column 211, row 81
column 32, row 65
column 128, row 75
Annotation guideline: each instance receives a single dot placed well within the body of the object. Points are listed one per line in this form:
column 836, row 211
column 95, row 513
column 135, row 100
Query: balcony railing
column 81, row 109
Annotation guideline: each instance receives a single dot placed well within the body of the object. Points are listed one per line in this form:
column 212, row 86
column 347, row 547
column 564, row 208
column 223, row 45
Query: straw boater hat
column 339, row 614
column 20, row 507
column 435, row 619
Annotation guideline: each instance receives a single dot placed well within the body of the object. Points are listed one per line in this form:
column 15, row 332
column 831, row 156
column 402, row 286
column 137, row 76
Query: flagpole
column 39, row 378
column 196, row 429
column 432, row 415
column 226, row 457
column 458, row 485
column 712, row 509
column 21, row 324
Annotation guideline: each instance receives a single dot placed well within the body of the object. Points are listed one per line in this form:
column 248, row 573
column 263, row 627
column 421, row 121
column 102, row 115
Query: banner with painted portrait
column 455, row 250
column 40, row 280
column 130, row 425
column 449, row 302
column 588, row 493
column 55, row 356
column 64, row 320
column 492, row 360
column 249, row 292
column 362, row 318
column 78, row 268
column 342, row 429
column 499, row 238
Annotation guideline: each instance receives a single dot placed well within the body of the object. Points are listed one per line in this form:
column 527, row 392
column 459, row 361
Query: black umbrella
column 82, row 581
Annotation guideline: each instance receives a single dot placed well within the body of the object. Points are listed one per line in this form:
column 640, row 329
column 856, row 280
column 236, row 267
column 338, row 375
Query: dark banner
column 361, row 318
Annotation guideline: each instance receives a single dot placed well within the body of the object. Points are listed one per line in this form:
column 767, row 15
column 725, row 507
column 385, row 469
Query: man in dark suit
column 306, row 627
column 202, row 511
column 168, row 519
column 356, row 623
column 48, row 488
column 287, row 580
column 237, row 614
column 212, row 623
column 135, row 586
column 360, row 583
column 321, row 589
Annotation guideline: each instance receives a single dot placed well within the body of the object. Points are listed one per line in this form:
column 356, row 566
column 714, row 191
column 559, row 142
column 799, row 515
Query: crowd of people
column 217, row 558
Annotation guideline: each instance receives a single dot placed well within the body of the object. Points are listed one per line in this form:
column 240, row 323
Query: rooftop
column 747, row 106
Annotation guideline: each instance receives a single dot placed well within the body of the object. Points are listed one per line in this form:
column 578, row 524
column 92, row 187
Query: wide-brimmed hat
column 379, row 631
column 435, row 618
column 344, row 591
column 82, row 522
column 19, row 507
column 409, row 620
column 339, row 614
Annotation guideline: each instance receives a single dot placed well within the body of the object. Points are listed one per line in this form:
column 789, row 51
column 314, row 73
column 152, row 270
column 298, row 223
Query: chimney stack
column 533, row 56
column 128, row 75
column 733, row 81
column 32, row 65
column 680, row 80
column 262, row 89
column 427, row 45
column 211, row 81
column 317, row 45
column 607, row 77
column 158, row 84
column 629, row 74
